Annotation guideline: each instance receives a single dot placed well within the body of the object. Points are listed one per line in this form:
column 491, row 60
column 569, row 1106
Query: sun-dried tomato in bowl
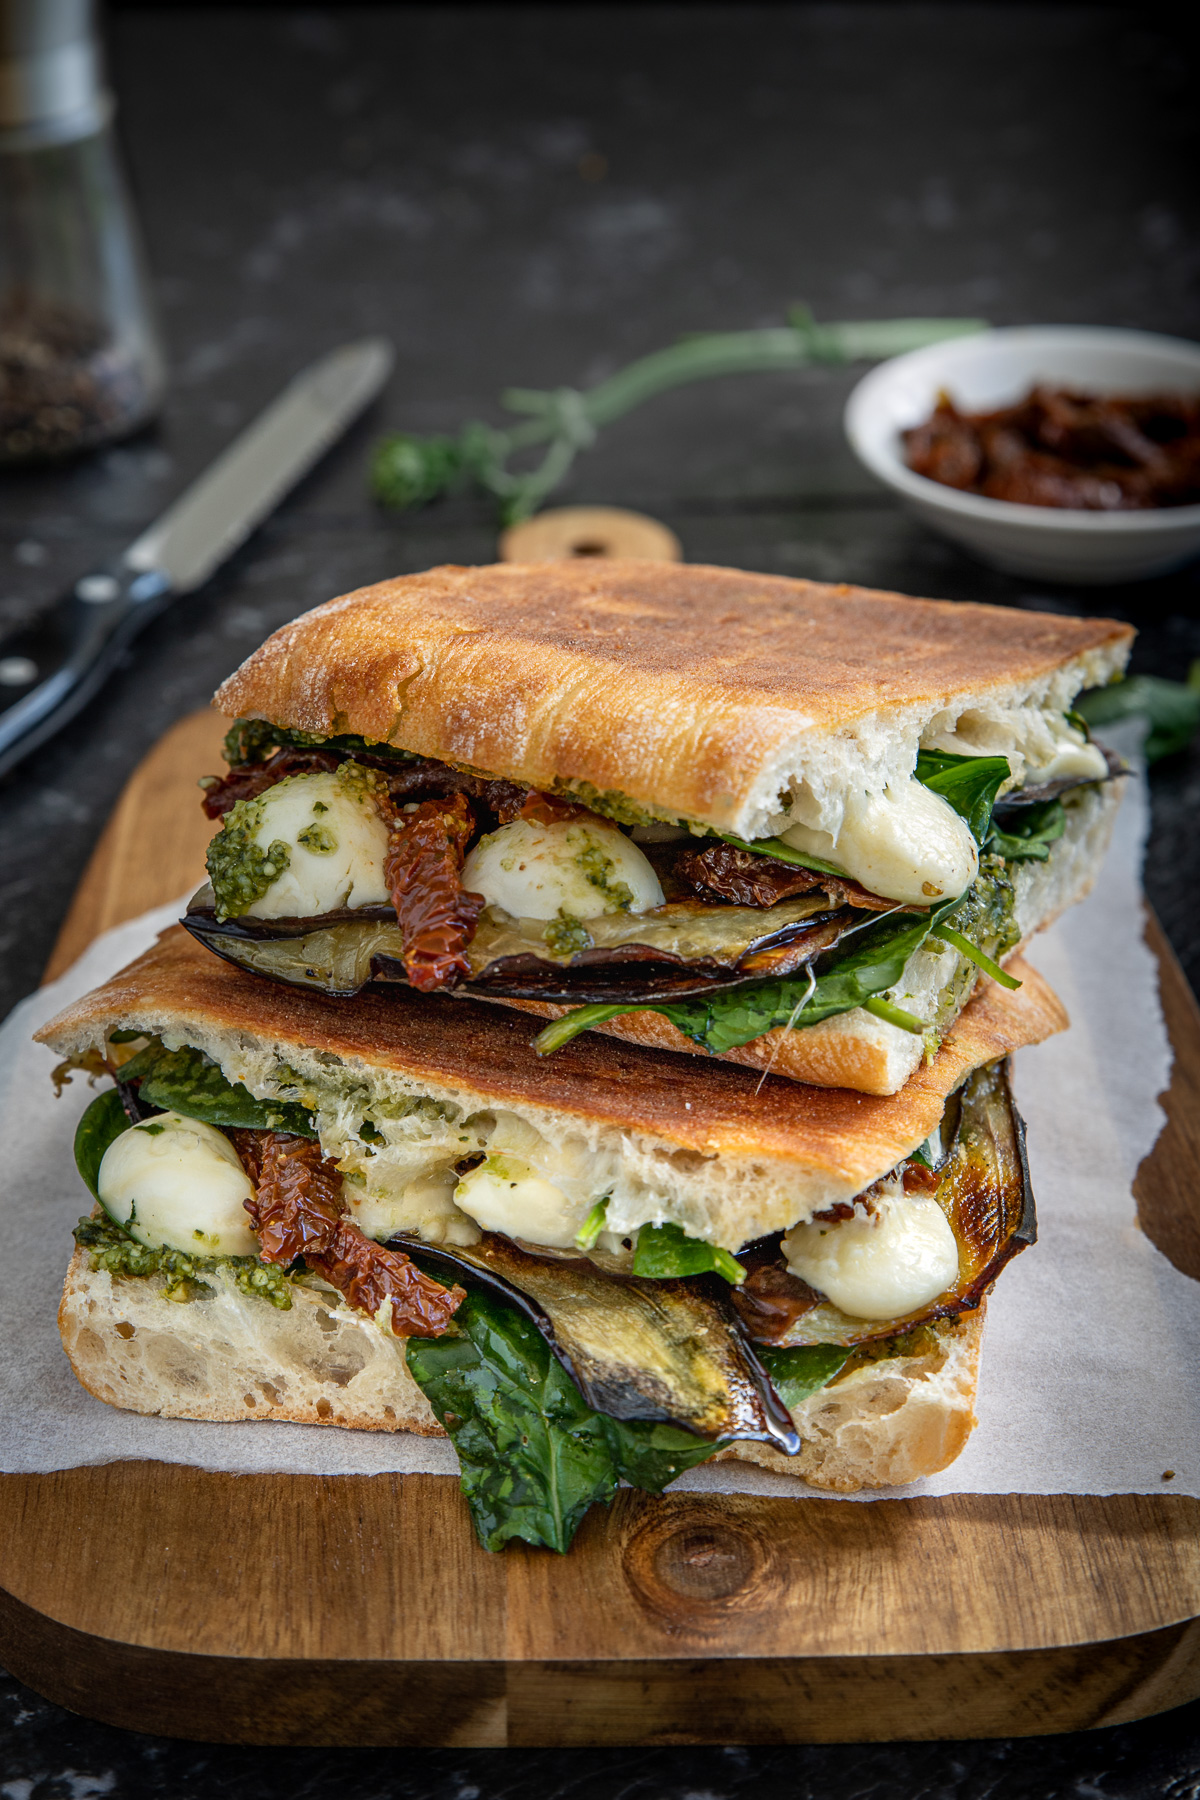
column 1065, row 449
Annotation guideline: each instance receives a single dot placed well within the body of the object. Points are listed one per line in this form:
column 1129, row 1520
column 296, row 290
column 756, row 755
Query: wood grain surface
column 340, row 1610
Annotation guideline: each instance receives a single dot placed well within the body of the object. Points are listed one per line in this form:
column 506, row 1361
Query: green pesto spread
column 111, row 1248
column 240, row 870
column 598, row 867
column 566, row 935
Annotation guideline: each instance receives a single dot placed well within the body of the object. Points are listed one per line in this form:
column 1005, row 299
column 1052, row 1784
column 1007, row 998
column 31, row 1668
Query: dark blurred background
column 534, row 196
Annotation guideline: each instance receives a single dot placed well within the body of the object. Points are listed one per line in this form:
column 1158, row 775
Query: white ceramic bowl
column 996, row 368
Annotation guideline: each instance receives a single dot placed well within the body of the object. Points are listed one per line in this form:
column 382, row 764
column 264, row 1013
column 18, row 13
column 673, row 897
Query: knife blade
column 52, row 667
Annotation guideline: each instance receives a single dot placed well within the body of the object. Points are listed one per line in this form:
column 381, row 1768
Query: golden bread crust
column 481, row 1055
column 890, row 1423
column 696, row 692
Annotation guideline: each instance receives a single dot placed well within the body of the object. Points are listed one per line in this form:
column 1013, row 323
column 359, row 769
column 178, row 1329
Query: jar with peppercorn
column 80, row 360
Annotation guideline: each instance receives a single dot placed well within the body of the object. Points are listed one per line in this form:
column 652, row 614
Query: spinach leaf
column 102, row 1123
column 186, row 1081
column 773, row 846
column 666, row 1251
column 737, row 1015
column 968, row 783
column 1029, row 832
column 802, row 1371
column 254, row 740
column 534, row 1455
column 1170, row 709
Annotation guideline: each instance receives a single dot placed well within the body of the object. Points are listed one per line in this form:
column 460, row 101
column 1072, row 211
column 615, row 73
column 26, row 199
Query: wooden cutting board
column 360, row 1610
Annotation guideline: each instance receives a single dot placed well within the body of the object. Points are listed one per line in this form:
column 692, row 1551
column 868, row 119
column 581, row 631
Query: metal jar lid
column 52, row 87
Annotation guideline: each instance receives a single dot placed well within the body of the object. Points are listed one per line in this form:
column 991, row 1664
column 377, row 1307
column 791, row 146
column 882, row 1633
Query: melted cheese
column 580, row 867
column 509, row 1195
column 1041, row 745
column 176, row 1183
column 907, row 844
column 336, row 840
column 879, row 1265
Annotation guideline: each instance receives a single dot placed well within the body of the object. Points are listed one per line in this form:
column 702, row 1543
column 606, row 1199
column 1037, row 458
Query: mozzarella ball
column 878, row 1265
column 337, row 843
column 907, row 844
column 581, row 867
column 508, row 1195
column 176, row 1183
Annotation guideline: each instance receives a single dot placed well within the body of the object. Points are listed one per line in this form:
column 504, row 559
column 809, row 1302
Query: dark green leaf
column 797, row 1374
column 735, row 1016
column 1029, row 832
column 102, row 1123
column 649, row 1455
column 534, row 1456
column 1171, row 710
column 782, row 852
column 665, row 1252
column 967, row 783
column 186, row 1081
column 254, row 740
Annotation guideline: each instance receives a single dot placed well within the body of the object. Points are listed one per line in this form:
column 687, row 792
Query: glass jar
column 80, row 359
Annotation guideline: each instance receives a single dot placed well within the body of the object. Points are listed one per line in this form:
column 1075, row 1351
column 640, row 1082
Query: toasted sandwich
column 608, row 1264
column 782, row 823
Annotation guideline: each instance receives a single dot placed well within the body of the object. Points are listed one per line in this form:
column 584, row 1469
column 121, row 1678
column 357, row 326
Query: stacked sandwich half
column 592, row 1040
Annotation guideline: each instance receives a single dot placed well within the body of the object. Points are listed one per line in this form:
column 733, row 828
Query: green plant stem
column 408, row 471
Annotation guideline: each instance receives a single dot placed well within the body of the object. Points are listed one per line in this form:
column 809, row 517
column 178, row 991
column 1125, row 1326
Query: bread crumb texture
column 230, row 1355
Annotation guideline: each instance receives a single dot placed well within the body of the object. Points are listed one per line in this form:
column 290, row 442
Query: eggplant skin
column 986, row 1194
column 667, row 1351
column 340, row 953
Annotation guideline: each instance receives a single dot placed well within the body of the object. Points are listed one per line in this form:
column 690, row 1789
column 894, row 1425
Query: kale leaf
column 534, row 1455
column 186, row 1081
column 102, row 1123
column 1029, row 832
column 802, row 1371
column 967, row 783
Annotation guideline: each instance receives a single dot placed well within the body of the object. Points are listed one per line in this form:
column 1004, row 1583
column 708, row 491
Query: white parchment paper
column 1091, row 1367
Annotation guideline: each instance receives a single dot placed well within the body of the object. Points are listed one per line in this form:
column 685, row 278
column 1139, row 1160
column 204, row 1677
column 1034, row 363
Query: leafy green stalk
column 974, row 954
column 894, row 1015
column 593, row 1225
column 408, row 471
column 665, row 1252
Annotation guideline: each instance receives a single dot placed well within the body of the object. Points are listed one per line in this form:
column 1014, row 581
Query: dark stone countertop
column 308, row 176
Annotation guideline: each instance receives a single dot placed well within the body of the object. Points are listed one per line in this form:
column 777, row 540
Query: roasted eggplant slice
column 685, row 947
column 666, row 1351
column 985, row 1192
column 1037, row 795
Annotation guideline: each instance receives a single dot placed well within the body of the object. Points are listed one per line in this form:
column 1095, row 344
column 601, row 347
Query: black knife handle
column 52, row 667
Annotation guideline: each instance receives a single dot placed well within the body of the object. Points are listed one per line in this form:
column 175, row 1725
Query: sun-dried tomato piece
column 423, row 870
column 252, row 779
column 368, row 1274
column 297, row 1211
column 298, row 1202
column 746, row 878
